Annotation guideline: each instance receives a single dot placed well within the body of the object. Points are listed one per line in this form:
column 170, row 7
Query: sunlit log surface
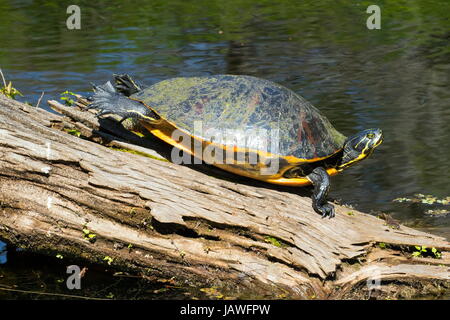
column 197, row 224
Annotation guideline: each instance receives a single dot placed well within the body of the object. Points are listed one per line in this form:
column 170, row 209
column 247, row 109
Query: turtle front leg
column 321, row 182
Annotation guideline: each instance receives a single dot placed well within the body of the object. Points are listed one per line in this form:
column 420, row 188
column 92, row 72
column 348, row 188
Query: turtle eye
column 370, row 136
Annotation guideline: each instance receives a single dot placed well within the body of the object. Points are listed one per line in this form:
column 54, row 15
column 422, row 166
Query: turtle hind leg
column 125, row 85
column 321, row 182
column 108, row 101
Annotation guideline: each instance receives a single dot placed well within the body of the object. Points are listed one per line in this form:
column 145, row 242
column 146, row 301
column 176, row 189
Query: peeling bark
column 198, row 224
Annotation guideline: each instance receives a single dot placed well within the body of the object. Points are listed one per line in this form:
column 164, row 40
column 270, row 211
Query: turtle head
column 360, row 146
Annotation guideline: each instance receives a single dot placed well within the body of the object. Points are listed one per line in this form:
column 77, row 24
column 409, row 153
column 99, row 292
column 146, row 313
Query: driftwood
column 197, row 224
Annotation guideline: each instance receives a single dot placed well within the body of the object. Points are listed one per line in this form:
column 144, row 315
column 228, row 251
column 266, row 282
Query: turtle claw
column 125, row 85
column 327, row 210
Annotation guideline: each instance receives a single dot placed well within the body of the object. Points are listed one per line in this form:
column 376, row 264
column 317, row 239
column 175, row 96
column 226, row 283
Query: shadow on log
column 159, row 219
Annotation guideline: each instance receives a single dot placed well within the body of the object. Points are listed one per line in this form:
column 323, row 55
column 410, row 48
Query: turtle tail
column 125, row 85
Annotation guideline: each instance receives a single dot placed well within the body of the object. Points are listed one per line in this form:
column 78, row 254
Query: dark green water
column 396, row 78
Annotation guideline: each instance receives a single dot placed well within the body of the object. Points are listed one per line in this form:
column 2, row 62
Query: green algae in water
column 424, row 199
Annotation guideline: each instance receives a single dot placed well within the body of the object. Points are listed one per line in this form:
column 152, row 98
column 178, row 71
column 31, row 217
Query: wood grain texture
column 165, row 220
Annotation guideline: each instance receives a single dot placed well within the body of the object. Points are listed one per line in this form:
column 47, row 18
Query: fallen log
column 198, row 225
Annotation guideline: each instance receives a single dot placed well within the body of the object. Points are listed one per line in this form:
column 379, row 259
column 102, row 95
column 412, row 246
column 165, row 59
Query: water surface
column 396, row 78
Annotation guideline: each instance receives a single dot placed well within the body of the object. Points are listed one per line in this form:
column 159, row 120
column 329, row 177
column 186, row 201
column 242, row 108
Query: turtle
column 246, row 125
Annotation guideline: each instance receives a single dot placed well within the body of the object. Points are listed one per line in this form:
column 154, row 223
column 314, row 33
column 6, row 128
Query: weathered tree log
column 195, row 224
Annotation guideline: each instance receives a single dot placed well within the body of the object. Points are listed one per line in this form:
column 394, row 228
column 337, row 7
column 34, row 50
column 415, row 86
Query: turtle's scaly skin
column 244, row 102
column 295, row 145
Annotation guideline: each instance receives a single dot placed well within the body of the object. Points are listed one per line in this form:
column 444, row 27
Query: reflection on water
column 396, row 78
column 29, row 276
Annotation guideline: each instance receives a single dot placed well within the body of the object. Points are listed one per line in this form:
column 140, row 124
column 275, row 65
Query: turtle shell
column 241, row 103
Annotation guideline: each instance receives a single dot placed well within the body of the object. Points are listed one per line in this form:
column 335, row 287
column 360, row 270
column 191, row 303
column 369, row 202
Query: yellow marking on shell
column 297, row 182
column 165, row 137
column 163, row 129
